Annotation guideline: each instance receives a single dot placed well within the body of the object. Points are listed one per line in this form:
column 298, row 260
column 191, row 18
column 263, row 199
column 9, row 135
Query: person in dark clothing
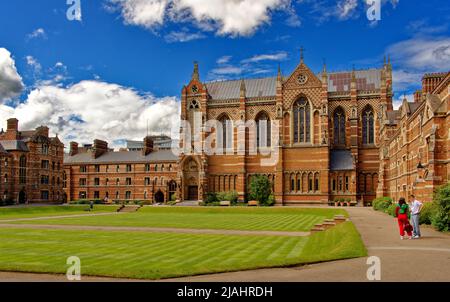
column 403, row 214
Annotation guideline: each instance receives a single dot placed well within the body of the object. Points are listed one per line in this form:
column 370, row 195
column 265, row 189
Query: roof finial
column 324, row 69
column 384, row 60
column 302, row 50
column 243, row 89
column 195, row 74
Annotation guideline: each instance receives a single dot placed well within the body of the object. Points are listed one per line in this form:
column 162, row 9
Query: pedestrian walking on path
column 416, row 207
column 403, row 214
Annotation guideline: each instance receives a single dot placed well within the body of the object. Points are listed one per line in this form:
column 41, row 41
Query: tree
column 261, row 190
column 441, row 218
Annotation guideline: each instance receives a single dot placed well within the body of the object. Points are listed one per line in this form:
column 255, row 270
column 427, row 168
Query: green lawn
column 257, row 219
column 39, row 211
column 162, row 255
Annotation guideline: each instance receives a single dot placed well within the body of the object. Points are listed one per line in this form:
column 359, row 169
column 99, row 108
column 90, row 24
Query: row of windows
column 304, row 182
column 129, row 168
column 45, row 164
column 128, row 181
column 128, row 194
column 302, row 126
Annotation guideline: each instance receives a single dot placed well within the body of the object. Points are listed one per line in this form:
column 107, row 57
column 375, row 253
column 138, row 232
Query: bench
column 253, row 203
column 225, row 203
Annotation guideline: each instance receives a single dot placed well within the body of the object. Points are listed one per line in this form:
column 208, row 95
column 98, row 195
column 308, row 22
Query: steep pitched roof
column 365, row 80
column 121, row 157
column 224, row 90
column 14, row 145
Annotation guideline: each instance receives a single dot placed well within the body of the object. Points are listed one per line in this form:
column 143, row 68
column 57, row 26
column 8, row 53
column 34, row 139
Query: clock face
column 194, row 89
column 302, row 78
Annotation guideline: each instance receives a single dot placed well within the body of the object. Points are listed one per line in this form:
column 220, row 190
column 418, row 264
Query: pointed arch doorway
column 191, row 179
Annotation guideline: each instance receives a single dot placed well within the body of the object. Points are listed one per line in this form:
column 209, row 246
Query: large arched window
column 368, row 126
column 226, row 132
column 263, row 137
column 339, row 127
column 302, row 121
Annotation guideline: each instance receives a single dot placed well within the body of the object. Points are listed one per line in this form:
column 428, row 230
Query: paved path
column 152, row 230
column 426, row 259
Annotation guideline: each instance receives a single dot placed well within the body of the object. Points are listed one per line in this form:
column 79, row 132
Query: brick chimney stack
column 43, row 130
column 100, row 147
column 12, row 130
column 417, row 96
column 73, row 148
column 148, row 146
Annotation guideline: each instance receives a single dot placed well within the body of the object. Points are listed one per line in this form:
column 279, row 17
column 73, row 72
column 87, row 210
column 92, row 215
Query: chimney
column 100, row 147
column 13, row 124
column 73, row 148
column 12, row 130
column 418, row 96
column 148, row 146
column 43, row 130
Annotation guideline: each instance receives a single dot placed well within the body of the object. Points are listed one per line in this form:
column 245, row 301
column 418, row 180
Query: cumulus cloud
column 235, row 18
column 93, row 109
column 11, row 84
column 423, row 53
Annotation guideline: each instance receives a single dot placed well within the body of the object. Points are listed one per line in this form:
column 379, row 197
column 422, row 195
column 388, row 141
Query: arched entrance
column 159, row 197
column 191, row 180
column 22, row 197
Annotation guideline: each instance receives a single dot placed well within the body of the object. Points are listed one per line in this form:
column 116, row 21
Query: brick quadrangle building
column 31, row 165
column 339, row 137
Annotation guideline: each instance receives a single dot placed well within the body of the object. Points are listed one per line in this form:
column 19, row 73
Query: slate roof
column 369, row 79
column 14, row 145
column 393, row 116
column 266, row 87
column 225, row 90
column 121, row 157
column 341, row 160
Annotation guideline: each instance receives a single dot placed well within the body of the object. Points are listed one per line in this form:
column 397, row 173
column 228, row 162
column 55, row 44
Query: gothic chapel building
column 328, row 134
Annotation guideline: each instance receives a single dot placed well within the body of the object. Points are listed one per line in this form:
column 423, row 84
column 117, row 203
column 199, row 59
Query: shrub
column 441, row 218
column 427, row 213
column 382, row 203
column 210, row 198
column 261, row 189
column 391, row 209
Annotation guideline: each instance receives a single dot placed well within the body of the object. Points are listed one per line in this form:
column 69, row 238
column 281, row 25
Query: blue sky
column 137, row 54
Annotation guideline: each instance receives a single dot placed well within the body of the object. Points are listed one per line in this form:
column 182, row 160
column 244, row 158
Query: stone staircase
column 128, row 209
column 328, row 223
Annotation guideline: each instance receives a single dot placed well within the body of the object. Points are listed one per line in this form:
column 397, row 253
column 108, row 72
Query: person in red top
column 402, row 214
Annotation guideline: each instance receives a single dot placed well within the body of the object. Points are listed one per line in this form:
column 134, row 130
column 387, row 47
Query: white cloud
column 346, row 9
column 279, row 56
column 92, row 109
column 227, row 70
column 399, row 100
column 226, row 17
column 403, row 79
column 11, row 84
column 182, row 36
column 422, row 53
column 224, row 60
column 33, row 63
column 37, row 33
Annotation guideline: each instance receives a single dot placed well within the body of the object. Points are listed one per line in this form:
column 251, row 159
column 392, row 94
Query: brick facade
column 415, row 151
column 304, row 173
column 31, row 166
column 96, row 172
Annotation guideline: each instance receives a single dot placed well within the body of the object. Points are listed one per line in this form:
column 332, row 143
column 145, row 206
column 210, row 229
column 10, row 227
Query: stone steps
column 128, row 209
column 328, row 224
